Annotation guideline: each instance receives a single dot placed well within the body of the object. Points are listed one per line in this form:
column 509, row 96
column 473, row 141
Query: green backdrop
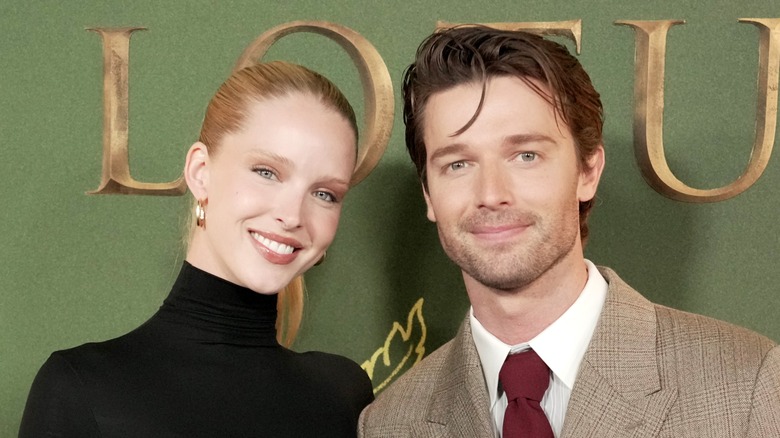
column 76, row 268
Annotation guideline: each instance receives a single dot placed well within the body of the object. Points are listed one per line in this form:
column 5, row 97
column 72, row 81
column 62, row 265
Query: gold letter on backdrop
column 116, row 178
column 377, row 87
column 649, row 108
column 571, row 29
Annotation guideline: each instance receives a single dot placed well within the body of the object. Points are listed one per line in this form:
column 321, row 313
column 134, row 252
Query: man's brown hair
column 474, row 54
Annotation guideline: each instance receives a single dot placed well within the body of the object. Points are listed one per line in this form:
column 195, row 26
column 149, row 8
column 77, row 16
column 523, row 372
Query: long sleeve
column 765, row 410
column 56, row 406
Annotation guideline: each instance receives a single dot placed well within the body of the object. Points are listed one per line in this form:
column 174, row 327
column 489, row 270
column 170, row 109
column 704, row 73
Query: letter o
column 377, row 86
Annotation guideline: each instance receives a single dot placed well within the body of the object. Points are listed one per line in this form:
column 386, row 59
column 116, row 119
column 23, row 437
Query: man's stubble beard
column 512, row 266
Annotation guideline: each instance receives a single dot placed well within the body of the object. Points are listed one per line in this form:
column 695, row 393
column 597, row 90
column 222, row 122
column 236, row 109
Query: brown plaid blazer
column 649, row 371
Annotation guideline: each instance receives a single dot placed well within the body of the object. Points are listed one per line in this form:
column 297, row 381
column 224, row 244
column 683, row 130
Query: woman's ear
column 196, row 170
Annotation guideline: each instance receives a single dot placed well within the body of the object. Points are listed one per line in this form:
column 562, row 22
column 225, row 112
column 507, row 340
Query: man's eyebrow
column 447, row 150
column 512, row 140
column 520, row 139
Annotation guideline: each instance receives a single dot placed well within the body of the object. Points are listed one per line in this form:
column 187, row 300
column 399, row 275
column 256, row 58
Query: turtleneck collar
column 218, row 311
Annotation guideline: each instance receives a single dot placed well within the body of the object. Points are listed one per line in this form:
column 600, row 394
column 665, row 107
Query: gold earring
column 322, row 259
column 200, row 213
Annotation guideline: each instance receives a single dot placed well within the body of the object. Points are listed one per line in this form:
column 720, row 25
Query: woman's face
column 273, row 192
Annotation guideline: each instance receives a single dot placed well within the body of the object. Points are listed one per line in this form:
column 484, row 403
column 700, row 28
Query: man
column 505, row 129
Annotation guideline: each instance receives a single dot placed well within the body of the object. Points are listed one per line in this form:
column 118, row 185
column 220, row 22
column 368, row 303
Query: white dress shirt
column 561, row 346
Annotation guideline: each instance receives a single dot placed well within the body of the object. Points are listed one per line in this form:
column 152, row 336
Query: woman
column 269, row 172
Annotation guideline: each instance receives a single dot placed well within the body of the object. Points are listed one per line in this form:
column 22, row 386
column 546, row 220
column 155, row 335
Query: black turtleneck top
column 207, row 364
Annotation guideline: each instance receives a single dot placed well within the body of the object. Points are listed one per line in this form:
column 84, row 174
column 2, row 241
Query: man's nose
column 494, row 186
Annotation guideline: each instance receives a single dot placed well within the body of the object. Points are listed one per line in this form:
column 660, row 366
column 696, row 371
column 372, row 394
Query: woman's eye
column 325, row 196
column 527, row 156
column 265, row 173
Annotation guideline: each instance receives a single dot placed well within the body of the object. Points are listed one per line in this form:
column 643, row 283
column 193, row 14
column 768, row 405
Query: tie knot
column 524, row 375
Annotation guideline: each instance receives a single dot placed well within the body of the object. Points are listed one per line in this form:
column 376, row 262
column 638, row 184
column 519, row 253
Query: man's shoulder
column 686, row 334
column 679, row 331
column 406, row 399
column 721, row 368
column 418, row 382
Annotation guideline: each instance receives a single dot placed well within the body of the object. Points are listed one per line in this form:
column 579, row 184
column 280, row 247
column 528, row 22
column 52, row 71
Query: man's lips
column 276, row 244
column 498, row 232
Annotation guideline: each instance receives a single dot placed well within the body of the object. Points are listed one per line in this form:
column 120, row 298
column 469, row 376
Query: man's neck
column 518, row 316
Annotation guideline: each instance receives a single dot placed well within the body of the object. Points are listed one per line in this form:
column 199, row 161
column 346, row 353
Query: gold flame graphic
column 409, row 340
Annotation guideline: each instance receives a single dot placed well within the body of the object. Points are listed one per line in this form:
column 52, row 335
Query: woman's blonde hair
column 226, row 113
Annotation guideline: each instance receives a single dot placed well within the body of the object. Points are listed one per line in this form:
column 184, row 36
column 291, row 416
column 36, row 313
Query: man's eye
column 325, row 196
column 458, row 165
column 527, row 156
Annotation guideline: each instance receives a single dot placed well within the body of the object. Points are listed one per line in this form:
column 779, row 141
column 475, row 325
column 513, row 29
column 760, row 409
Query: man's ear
column 591, row 175
column 431, row 214
column 196, row 170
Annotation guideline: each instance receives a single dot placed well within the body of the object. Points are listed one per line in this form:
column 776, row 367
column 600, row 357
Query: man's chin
column 505, row 282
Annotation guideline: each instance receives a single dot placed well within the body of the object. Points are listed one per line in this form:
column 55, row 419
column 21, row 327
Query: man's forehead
column 456, row 105
column 452, row 111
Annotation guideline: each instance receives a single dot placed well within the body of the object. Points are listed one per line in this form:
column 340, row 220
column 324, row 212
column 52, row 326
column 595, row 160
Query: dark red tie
column 525, row 378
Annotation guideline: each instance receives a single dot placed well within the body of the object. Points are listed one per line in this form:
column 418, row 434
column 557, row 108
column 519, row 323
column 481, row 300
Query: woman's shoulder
column 330, row 361
column 93, row 352
column 335, row 370
column 93, row 362
column 57, row 399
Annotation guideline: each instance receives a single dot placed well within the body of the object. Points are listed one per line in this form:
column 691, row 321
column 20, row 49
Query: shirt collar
column 561, row 345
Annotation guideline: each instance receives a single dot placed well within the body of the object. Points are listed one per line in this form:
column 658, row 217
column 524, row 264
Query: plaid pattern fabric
column 650, row 371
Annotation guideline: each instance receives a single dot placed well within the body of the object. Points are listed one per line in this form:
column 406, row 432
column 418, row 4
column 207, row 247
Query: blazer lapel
column 618, row 389
column 460, row 403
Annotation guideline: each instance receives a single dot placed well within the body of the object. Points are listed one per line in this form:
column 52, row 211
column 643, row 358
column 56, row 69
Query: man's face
column 505, row 193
